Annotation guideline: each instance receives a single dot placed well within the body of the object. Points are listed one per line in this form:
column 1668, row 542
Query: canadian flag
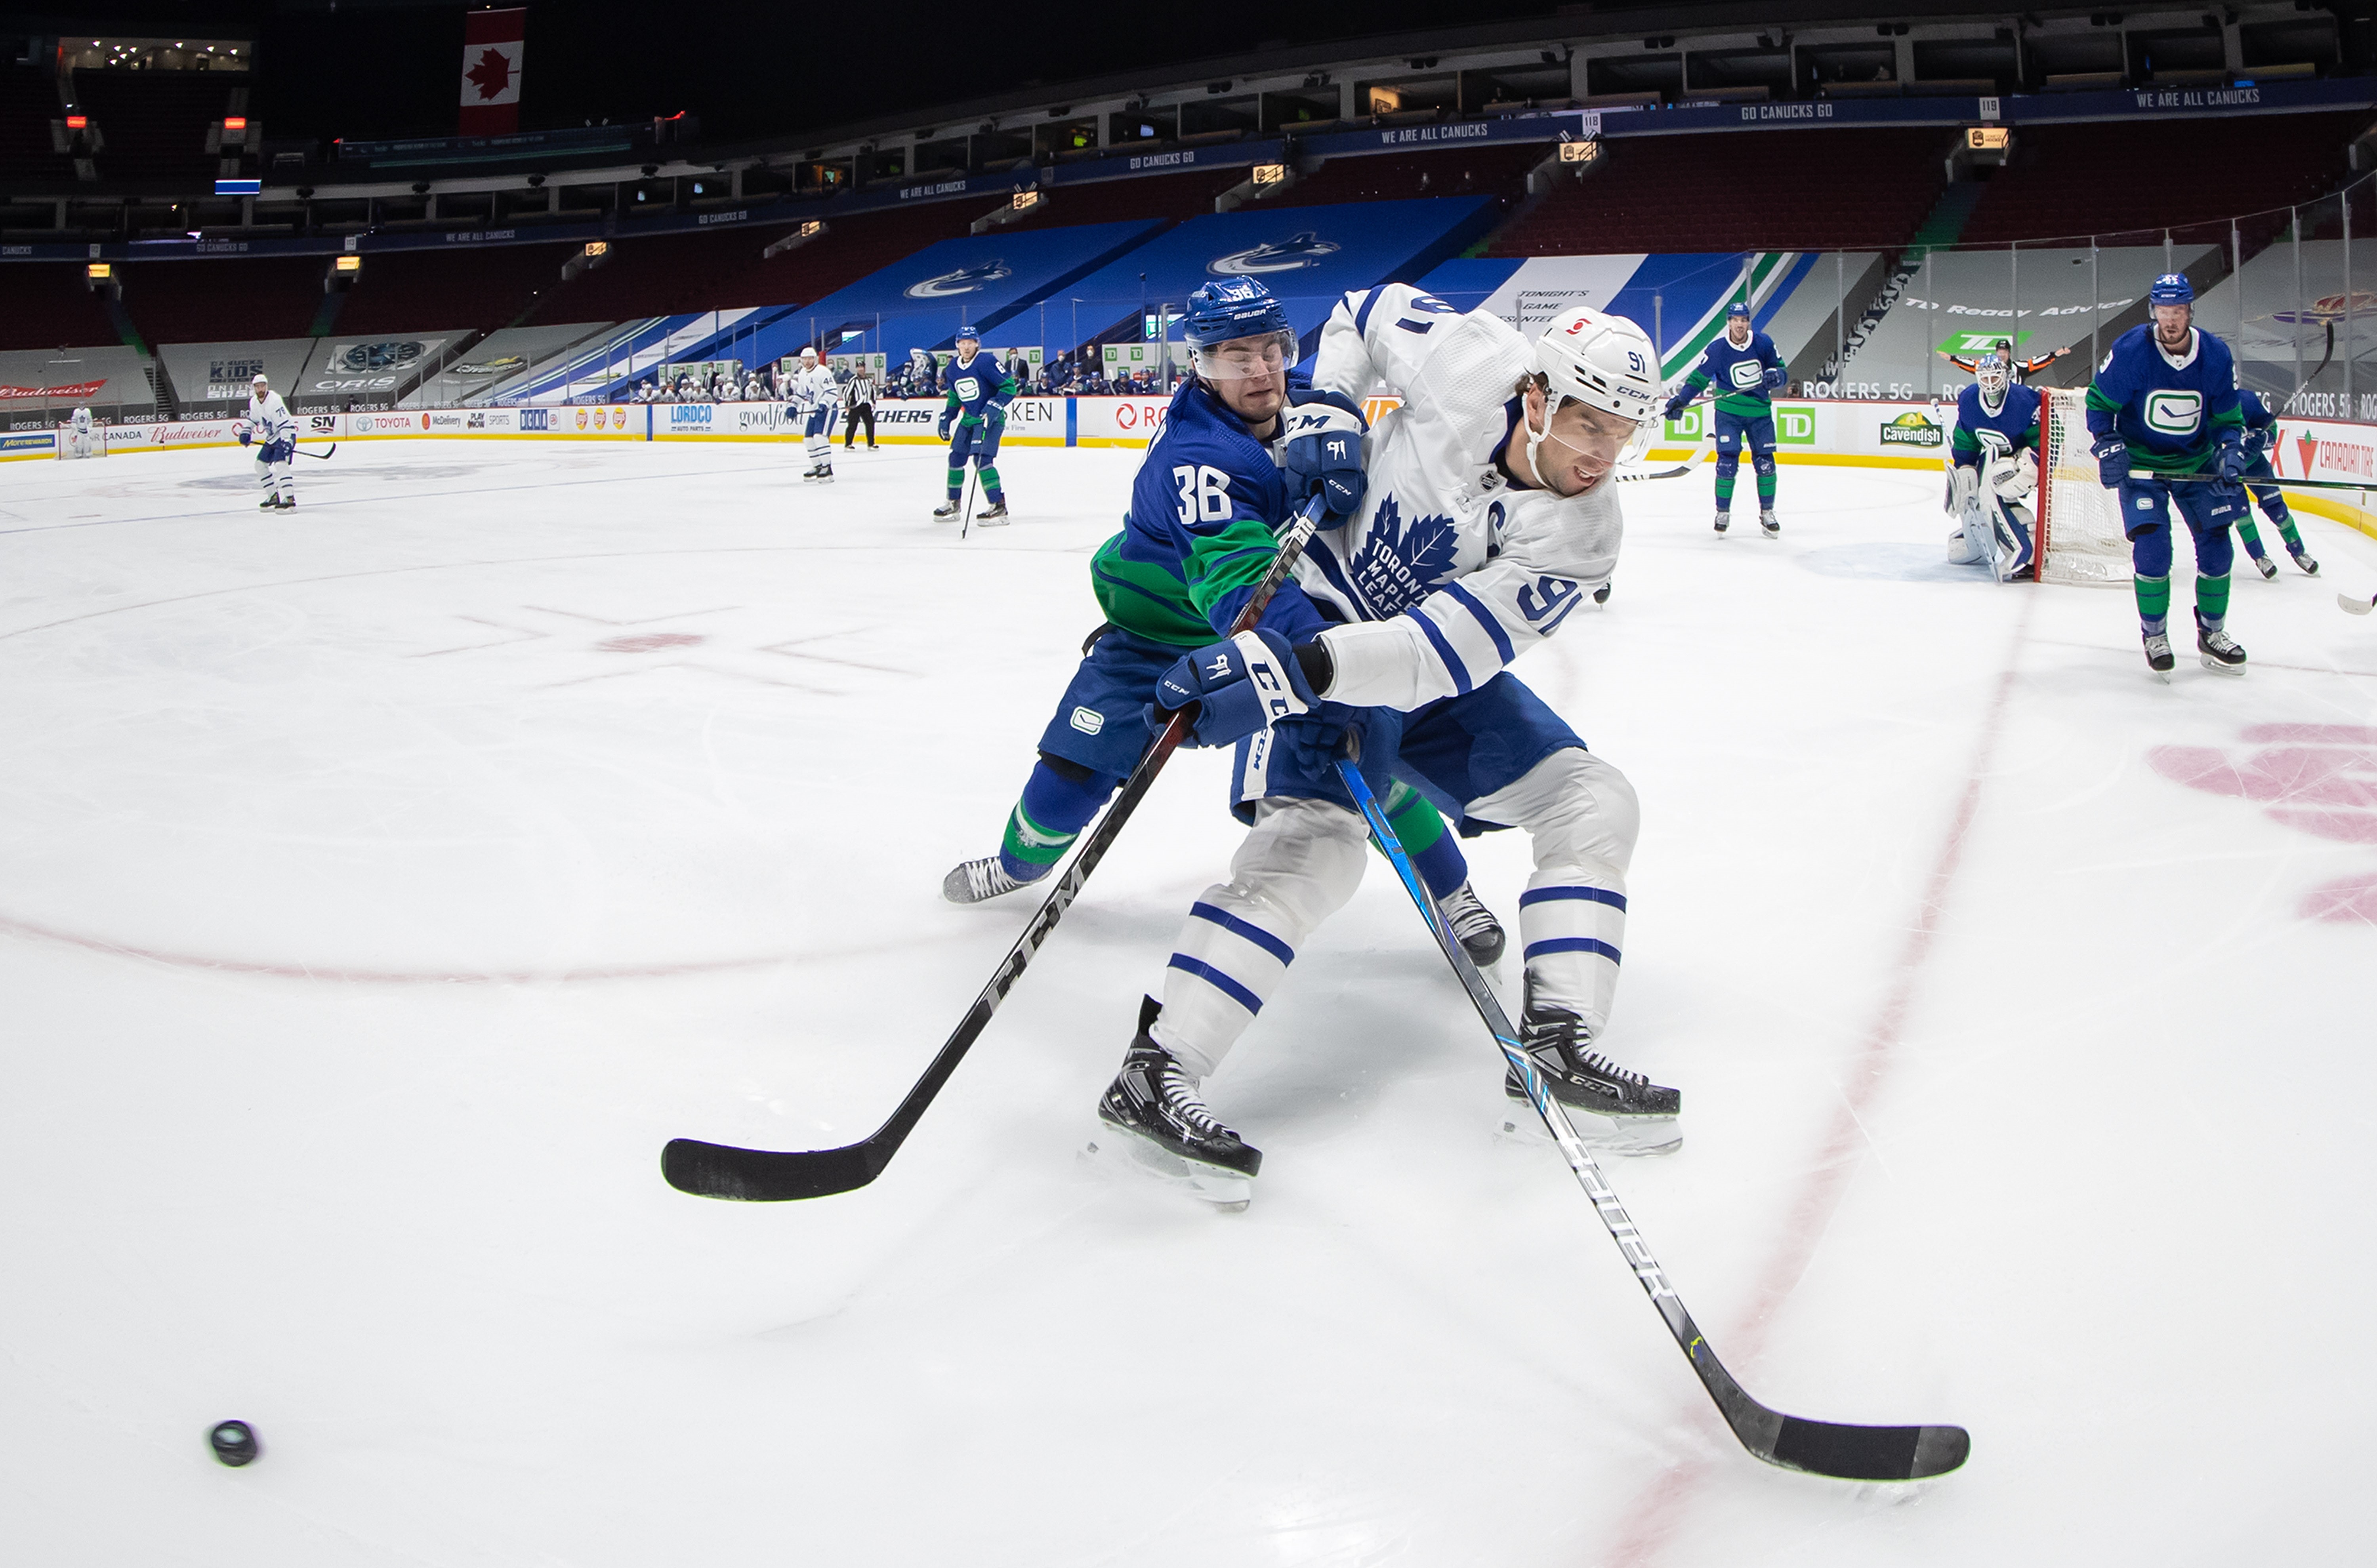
column 492, row 46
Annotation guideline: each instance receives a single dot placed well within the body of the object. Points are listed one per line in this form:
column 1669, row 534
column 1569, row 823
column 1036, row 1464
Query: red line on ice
column 1811, row 1212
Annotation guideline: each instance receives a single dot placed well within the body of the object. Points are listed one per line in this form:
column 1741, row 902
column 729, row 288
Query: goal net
column 2080, row 537
column 88, row 441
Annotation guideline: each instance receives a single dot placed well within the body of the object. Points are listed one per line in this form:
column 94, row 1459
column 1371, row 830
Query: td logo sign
column 1795, row 424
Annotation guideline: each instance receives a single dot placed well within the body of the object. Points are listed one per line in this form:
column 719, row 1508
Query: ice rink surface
column 382, row 885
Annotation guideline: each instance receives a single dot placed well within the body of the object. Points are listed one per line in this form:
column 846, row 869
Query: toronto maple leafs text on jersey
column 1453, row 568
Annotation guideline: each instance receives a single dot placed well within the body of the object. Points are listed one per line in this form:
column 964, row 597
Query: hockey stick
column 323, row 454
column 719, row 1171
column 2353, row 605
column 1639, row 475
column 1794, row 1442
column 2243, row 481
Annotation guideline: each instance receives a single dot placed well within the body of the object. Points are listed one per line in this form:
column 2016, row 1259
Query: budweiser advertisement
column 491, row 43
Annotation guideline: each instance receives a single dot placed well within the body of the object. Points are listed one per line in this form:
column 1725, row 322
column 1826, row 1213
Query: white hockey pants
column 1303, row 859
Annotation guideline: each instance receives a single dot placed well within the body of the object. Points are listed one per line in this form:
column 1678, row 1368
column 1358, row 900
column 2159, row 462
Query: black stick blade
column 765, row 1176
column 1866, row 1454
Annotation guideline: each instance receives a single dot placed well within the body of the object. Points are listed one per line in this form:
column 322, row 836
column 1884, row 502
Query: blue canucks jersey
column 1738, row 375
column 1199, row 532
column 2172, row 413
column 1980, row 433
column 978, row 384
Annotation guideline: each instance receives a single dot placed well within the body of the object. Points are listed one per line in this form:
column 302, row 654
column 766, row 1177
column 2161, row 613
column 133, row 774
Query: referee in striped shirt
column 858, row 403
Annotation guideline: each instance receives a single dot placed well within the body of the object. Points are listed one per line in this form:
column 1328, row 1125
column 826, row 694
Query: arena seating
column 485, row 287
column 1174, row 196
column 49, row 305
column 220, row 302
column 155, row 121
column 1464, row 171
column 2105, row 178
column 666, row 274
column 1787, row 190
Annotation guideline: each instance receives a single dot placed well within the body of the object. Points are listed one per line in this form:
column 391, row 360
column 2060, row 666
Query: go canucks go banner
column 492, row 45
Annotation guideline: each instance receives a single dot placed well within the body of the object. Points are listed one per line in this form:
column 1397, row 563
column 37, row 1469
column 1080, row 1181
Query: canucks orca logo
column 1286, row 256
column 359, row 357
column 964, row 280
column 1398, row 565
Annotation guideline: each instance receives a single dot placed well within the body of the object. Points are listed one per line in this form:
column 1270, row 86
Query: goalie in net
column 81, row 436
column 1992, row 472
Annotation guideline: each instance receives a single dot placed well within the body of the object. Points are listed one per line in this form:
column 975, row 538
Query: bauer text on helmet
column 1240, row 346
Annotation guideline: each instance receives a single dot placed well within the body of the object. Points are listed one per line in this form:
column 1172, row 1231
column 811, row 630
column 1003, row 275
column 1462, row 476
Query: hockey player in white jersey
column 271, row 431
column 81, row 437
column 816, row 393
column 1486, row 522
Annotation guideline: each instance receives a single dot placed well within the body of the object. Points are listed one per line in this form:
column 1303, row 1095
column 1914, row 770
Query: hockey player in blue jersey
column 2164, row 413
column 979, row 390
column 2260, row 435
column 1742, row 365
column 1209, row 498
column 1997, row 422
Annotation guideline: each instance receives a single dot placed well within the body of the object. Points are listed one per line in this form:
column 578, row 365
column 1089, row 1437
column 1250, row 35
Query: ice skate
column 1601, row 594
column 1622, row 1110
column 269, row 504
column 977, row 881
column 2158, row 656
column 1480, row 934
column 1157, row 1120
column 2267, row 567
column 2302, row 558
column 2221, row 654
column 944, row 512
column 824, row 474
column 1723, row 519
column 992, row 517
column 1766, row 520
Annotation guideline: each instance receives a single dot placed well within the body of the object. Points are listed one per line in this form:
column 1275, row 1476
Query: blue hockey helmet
column 1235, row 310
column 1737, row 307
column 2172, row 289
column 967, row 334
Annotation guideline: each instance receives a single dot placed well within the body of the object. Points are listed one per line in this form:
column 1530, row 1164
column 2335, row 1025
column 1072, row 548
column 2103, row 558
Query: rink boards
column 1841, row 434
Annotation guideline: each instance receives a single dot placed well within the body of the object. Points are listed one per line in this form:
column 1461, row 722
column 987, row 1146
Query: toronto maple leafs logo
column 1398, row 565
column 1281, row 255
column 963, row 280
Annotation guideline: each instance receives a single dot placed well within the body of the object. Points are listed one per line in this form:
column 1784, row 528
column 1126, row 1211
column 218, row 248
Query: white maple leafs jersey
column 270, row 419
column 815, row 388
column 1449, row 570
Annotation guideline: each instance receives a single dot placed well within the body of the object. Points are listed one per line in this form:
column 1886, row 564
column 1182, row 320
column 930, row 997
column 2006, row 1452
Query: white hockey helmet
column 1601, row 360
column 809, row 354
column 260, row 379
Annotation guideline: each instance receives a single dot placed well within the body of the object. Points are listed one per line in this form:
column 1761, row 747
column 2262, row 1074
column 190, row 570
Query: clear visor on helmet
column 1993, row 373
column 1246, row 359
column 1580, row 448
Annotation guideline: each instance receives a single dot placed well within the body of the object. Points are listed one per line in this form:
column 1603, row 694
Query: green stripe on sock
column 2153, row 600
column 1027, row 841
column 2211, row 597
column 1415, row 820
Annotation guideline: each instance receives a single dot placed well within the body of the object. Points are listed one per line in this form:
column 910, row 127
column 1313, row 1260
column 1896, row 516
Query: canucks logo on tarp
column 1282, row 255
column 1398, row 564
column 963, row 280
column 359, row 358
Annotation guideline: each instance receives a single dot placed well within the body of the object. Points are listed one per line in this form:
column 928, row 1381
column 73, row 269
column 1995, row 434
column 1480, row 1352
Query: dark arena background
column 570, row 751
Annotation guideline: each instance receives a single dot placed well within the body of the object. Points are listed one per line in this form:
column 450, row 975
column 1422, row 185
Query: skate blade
column 1604, row 1135
column 2234, row 672
column 1227, row 1191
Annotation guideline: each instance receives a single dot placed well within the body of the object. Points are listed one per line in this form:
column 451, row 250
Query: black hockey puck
column 233, row 1443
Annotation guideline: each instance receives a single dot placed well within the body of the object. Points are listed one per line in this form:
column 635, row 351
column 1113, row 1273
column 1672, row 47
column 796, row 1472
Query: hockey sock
column 1058, row 800
column 990, row 486
column 1572, row 919
column 2154, row 604
column 957, row 485
column 1434, row 853
column 2252, row 541
column 2287, row 529
column 1766, row 489
column 2211, row 599
column 1724, row 491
